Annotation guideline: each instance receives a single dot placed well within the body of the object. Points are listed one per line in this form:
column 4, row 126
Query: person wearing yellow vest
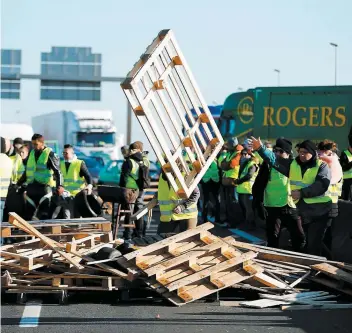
column 210, row 187
column 346, row 164
column 42, row 173
column 14, row 200
column 176, row 214
column 230, row 167
column 76, row 178
column 130, row 178
column 6, row 167
column 247, row 174
column 272, row 203
column 309, row 184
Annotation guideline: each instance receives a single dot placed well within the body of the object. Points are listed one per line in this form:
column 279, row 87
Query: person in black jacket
column 271, row 200
column 130, row 174
column 309, row 195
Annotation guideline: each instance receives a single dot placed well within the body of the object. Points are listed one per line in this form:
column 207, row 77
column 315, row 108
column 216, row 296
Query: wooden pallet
column 162, row 92
column 83, row 282
column 59, row 228
column 191, row 265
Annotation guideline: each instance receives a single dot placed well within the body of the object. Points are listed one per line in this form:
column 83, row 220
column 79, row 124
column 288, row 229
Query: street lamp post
column 278, row 76
column 335, row 46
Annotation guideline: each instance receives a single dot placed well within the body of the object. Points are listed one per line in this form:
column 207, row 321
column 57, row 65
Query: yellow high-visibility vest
column 297, row 182
column 38, row 170
column 246, row 187
column 73, row 182
column 277, row 191
column 168, row 200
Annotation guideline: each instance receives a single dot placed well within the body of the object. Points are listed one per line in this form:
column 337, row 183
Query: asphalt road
column 103, row 315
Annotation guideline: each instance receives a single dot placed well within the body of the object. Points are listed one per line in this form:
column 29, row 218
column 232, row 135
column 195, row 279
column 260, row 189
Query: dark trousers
column 139, row 230
column 347, row 190
column 36, row 191
column 314, row 229
column 210, row 188
column 245, row 201
column 288, row 217
column 230, row 202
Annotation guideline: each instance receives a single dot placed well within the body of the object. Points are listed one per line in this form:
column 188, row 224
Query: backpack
column 143, row 180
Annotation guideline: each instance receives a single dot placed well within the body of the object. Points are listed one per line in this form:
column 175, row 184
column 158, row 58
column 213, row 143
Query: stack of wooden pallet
column 181, row 268
column 52, row 255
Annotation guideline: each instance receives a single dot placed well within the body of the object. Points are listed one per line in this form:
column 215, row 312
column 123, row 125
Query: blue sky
column 227, row 43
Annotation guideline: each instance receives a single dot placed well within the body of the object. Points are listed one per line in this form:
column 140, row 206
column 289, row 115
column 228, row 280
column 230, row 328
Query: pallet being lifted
column 162, row 92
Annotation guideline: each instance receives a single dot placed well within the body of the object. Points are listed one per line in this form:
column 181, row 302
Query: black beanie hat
column 309, row 146
column 284, row 144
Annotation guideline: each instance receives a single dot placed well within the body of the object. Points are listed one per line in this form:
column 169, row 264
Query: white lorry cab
column 91, row 132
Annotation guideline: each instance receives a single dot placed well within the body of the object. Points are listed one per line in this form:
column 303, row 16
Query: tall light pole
column 335, row 46
column 278, row 76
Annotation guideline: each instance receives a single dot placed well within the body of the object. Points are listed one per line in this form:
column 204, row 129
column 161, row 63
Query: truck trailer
column 296, row 113
column 91, row 132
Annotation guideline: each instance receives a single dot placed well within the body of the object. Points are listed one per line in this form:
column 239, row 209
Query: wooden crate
column 163, row 92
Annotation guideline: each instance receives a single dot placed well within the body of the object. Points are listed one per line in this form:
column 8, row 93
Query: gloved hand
column 89, row 189
column 179, row 209
column 60, row 190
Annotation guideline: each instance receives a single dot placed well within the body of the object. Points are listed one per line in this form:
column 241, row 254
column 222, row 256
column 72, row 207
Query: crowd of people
column 299, row 193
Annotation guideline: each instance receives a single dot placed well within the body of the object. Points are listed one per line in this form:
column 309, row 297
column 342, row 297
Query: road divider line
column 31, row 314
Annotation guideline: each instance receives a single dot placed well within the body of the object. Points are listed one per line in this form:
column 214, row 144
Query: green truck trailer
column 297, row 113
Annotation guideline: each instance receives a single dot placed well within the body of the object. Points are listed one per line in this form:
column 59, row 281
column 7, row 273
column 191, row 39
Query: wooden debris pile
column 181, row 268
column 55, row 258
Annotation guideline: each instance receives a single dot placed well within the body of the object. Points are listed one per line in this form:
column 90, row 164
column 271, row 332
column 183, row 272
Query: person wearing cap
column 130, row 178
column 6, row 166
column 309, row 183
column 272, row 202
column 230, row 167
column 247, row 173
column 42, row 174
column 346, row 164
column 176, row 214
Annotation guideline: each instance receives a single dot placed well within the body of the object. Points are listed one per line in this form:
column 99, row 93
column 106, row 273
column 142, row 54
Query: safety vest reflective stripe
column 73, row 182
column 37, row 170
column 297, row 183
column 348, row 174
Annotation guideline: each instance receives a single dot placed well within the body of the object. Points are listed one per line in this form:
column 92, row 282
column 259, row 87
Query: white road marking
column 31, row 314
